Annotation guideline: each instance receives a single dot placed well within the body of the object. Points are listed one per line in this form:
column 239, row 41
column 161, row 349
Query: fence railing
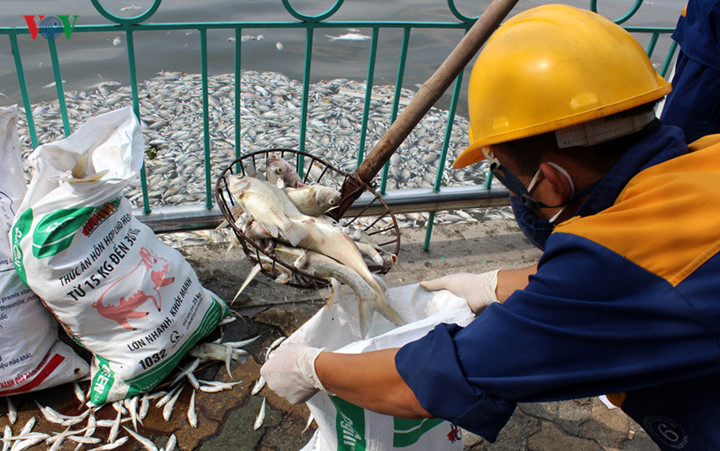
column 236, row 117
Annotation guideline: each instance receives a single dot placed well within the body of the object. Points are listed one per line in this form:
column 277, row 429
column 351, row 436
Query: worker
column 694, row 103
column 624, row 301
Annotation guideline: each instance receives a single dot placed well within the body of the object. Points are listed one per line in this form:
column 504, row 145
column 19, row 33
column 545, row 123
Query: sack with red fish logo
column 31, row 356
column 120, row 292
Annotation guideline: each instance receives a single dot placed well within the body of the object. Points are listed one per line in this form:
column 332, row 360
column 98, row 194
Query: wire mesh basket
column 381, row 225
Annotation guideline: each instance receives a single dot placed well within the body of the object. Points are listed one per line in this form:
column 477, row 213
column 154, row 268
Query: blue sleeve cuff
column 442, row 388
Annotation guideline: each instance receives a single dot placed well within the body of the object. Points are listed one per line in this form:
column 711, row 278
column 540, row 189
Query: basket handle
column 425, row 98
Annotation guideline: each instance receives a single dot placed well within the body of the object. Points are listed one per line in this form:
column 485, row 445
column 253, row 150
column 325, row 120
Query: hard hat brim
column 473, row 153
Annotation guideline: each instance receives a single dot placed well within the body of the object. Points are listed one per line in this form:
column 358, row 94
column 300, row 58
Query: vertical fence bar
column 305, row 96
column 59, row 86
column 206, row 116
column 443, row 153
column 368, row 95
column 23, row 90
column 652, row 44
column 396, row 100
column 238, row 94
column 668, row 58
column 136, row 108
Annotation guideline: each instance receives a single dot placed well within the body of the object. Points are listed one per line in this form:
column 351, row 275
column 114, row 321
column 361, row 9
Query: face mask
column 536, row 230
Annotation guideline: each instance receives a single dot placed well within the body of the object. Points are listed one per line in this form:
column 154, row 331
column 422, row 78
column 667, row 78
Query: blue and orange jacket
column 694, row 103
column 626, row 299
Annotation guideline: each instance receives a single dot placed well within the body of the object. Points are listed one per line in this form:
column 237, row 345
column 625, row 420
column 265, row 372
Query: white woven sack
column 131, row 300
column 31, row 356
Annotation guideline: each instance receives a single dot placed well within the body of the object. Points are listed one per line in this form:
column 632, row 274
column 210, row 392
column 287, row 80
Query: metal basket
column 382, row 225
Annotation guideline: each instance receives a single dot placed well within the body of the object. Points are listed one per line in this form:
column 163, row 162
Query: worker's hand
column 290, row 372
column 477, row 289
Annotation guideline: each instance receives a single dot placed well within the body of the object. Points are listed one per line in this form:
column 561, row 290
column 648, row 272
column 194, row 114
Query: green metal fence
column 436, row 196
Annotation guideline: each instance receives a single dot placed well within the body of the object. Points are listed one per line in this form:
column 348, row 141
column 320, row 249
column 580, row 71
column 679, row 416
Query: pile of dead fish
column 81, row 429
column 286, row 218
column 171, row 111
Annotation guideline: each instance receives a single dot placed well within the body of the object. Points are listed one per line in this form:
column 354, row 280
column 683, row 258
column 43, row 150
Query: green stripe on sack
column 55, row 231
column 102, row 382
column 151, row 378
column 20, row 229
column 407, row 432
column 349, row 425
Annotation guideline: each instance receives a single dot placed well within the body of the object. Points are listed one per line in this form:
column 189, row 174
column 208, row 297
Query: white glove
column 477, row 289
column 290, row 372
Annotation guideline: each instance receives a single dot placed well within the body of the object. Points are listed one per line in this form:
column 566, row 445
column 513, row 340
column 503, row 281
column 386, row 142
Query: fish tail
column 385, row 310
column 364, row 317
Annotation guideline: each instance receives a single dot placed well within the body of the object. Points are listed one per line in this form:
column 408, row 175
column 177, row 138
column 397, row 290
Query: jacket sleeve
column 590, row 322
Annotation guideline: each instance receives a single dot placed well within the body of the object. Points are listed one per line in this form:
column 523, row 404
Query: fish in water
column 279, row 169
column 349, row 37
column 314, row 200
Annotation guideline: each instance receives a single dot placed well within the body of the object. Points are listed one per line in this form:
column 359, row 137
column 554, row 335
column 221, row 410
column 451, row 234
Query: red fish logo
column 125, row 308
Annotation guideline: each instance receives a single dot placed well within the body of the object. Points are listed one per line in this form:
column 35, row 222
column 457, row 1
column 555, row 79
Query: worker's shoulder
column 665, row 219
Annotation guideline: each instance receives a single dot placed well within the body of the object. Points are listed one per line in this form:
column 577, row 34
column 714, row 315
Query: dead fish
column 144, row 407
column 28, row 426
column 228, row 359
column 27, row 443
column 314, row 200
column 191, row 414
column 79, row 172
column 79, row 394
column 227, row 320
column 251, row 275
column 273, row 345
column 216, row 386
column 323, row 237
column 131, row 406
column 115, row 428
column 146, row 443
column 7, row 433
column 12, row 411
column 241, row 343
column 261, row 416
column 257, row 232
column 310, row 419
column 368, row 297
column 90, row 429
column 349, row 37
column 84, row 440
column 279, row 169
column 189, row 369
column 168, row 408
column 114, row 445
column 193, row 381
column 258, row 386
column 171, row 443
column 269, row 205
column 215, row 351
column 118, row 406
column 167, row 396
column 370, row 248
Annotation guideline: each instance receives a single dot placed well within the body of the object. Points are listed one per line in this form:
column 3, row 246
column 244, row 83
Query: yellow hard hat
column 551, row 67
